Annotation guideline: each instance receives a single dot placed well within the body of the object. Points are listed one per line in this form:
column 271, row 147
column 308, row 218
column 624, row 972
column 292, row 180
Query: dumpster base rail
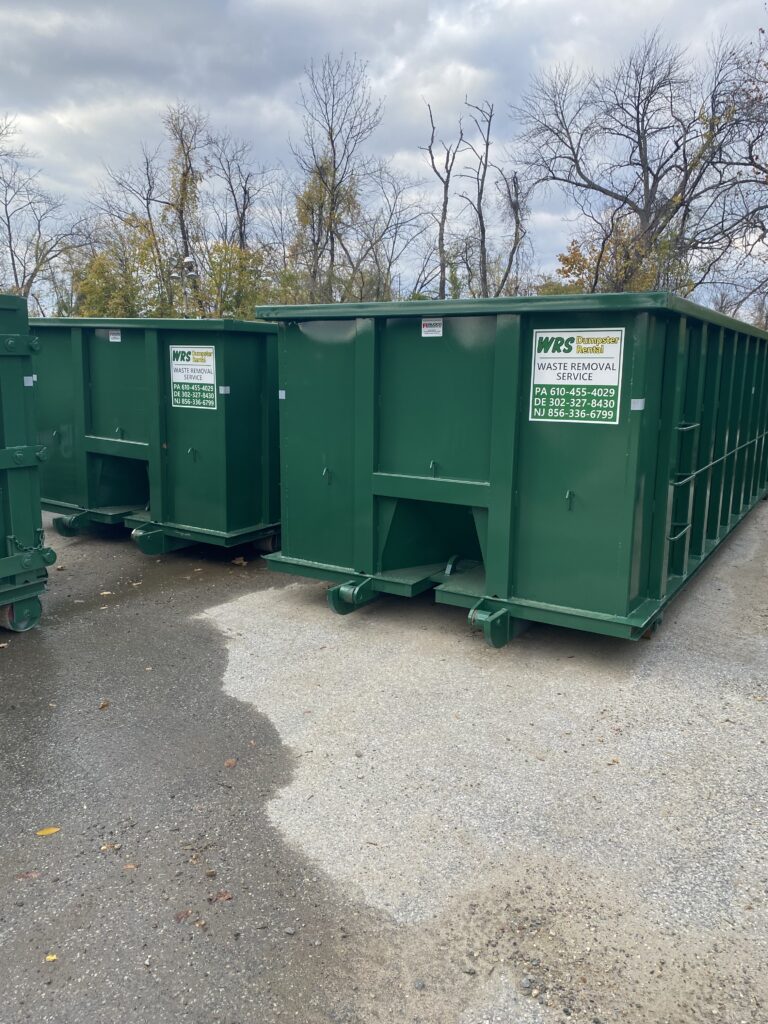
column 501, row 620
column 156, row 538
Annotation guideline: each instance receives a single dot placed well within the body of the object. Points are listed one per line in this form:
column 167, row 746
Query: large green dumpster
column 23, row 554
column 166, row 426
column 569, row 459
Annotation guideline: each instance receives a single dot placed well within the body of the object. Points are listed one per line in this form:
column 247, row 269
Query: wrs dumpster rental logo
column 576, row 376
column 193, row 377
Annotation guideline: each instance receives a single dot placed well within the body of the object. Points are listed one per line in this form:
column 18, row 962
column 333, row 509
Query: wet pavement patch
column 166, row 894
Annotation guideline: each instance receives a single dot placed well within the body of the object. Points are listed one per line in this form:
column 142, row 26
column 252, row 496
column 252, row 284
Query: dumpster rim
column 608, row 302
column 159, row 323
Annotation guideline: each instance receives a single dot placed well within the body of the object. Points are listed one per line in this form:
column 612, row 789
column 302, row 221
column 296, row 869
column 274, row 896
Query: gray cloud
column 87, row 81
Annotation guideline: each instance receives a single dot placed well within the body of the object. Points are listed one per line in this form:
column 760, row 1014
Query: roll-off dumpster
column 166, row 426
column 566, row 459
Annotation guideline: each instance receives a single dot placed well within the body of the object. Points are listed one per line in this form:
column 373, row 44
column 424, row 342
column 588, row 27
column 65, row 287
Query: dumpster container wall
column 166, row 426
column 23, row 554
column 570, row 459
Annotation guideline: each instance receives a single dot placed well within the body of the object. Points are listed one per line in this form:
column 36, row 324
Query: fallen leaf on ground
column 103, row 705
column 614, row 760
column 106, row 593
column 110, row 846
column 230, row 762
column 239, row 561
column 222, row 896
column 50, row 958
column 129, row 867
column 49, row 830
column 23, row 876
column 182, row 916
column 60, row 568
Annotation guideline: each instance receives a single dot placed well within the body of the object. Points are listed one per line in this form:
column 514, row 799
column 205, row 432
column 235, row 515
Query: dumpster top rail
column 159, row 323
column 620, row 302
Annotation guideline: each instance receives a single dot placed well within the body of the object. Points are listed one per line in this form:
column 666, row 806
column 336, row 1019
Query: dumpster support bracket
column 346, row 597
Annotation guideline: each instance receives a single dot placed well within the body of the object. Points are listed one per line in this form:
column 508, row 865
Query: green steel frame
column 24, row 557
column 122, row 451
column 411, row 463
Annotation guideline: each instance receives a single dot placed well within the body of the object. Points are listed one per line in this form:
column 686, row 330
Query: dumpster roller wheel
column 71, row 526
column 268, row 545
column 22, row 615
column 347, row 597
column 499, row 626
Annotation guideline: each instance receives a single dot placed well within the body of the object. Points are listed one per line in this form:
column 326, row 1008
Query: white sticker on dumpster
column 576, row 375
column 193, row 377
column 432, row 328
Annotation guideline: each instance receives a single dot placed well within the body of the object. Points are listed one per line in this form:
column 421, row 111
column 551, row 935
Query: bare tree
column 35, row 228
column 648, row 139
column 339, row 116
column 230, row 162
column 442, row 167
column 480, row 148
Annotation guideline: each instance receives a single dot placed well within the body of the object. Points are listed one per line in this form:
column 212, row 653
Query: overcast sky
column 86, row 81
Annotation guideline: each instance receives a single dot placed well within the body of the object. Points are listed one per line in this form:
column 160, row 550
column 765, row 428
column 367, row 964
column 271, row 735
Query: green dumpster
column 568, row 459
column 23, row 556
column 168, row 427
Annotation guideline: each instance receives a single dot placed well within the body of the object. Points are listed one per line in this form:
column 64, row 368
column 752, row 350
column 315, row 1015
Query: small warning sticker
column 432, row 328
column 193, row 377
column 115, row 336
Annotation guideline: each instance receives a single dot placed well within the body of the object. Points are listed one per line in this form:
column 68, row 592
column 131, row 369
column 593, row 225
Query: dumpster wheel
column 654, row 626
column 268, row 545
column 22, row 615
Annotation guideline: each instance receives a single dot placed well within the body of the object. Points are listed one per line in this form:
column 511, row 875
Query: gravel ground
column 586, row 812
column 271, row 813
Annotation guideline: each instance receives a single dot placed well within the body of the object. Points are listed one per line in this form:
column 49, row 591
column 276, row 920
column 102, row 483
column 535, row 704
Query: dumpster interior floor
column 270, row 813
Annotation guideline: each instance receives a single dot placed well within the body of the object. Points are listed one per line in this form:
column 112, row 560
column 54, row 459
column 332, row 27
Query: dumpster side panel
column 23, row 555
column 57, row 414
column 577, row 481
column 250, row 370
column 117, row 381
column 435, row 397
column 196, row 436
column 316, row 386
column 713, row 435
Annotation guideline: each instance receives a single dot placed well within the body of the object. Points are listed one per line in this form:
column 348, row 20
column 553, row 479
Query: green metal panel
column 23, row 554
column 564, row 459
column 166, row 426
